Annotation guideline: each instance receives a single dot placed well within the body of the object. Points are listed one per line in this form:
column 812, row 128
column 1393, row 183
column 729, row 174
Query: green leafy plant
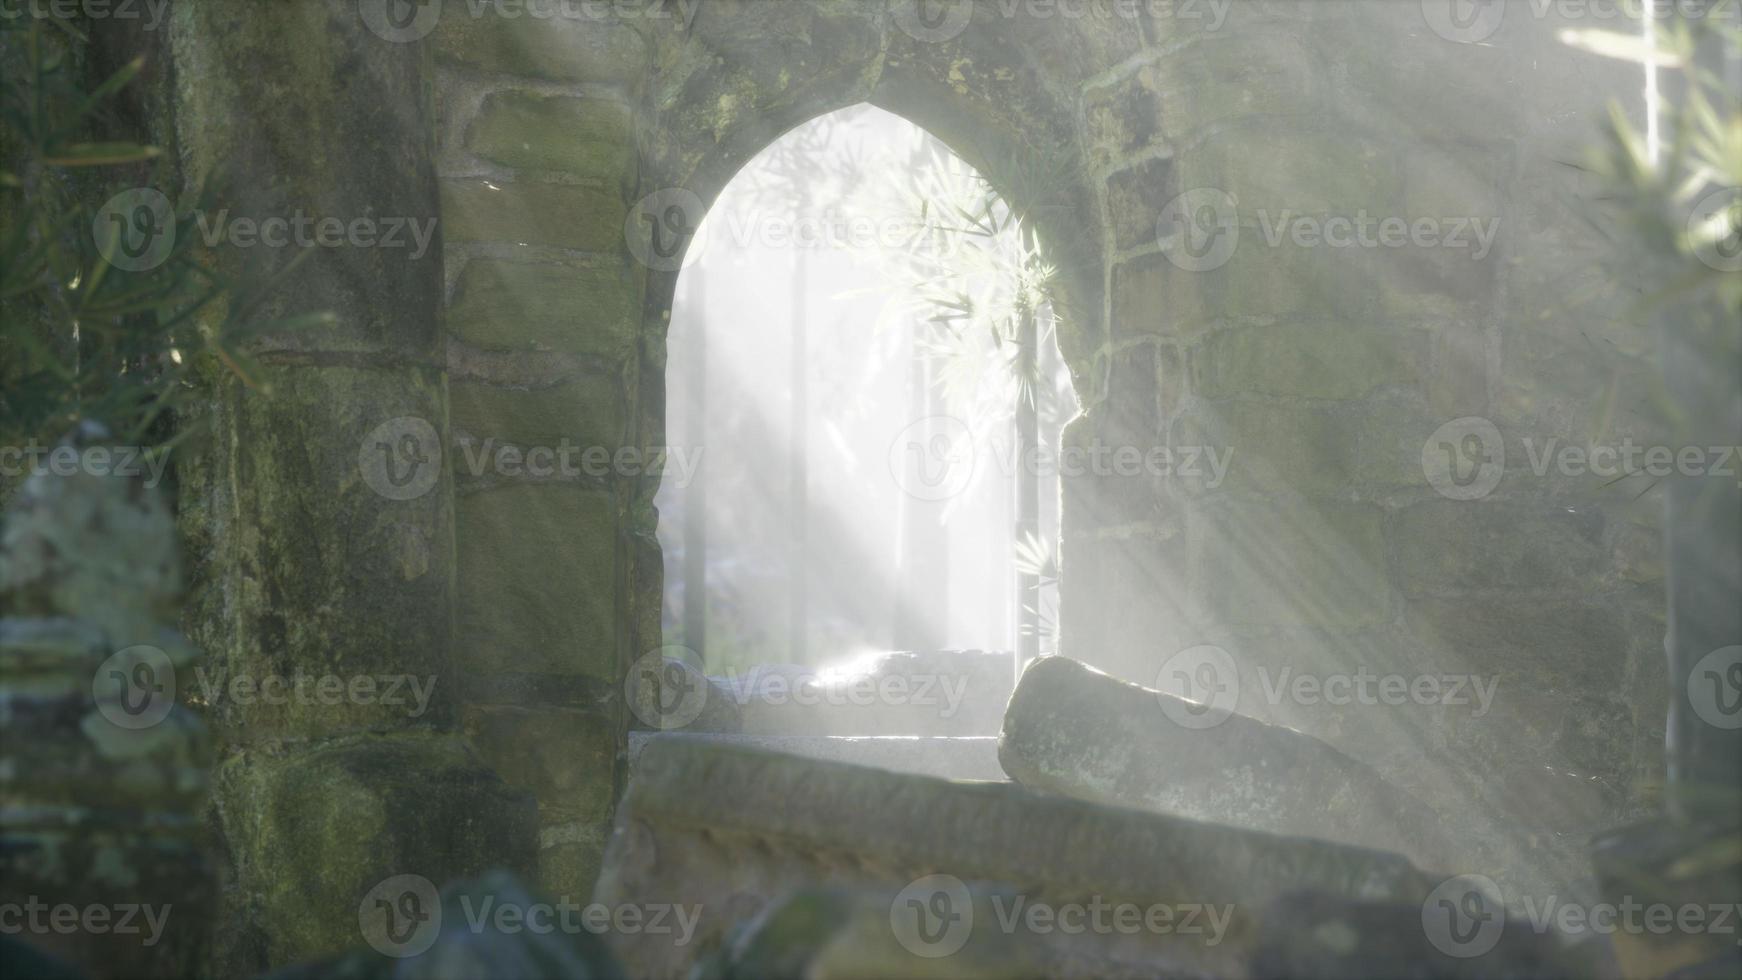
column 1682, row 206
column 86, row 336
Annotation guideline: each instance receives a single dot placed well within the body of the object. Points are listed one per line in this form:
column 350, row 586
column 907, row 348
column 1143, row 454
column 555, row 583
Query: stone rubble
column 735, row 829
column 1073, row 730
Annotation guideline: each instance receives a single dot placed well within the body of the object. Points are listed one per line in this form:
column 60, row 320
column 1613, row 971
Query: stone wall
column 1324, row 371
column 536, row 149
column 538, row 142
column 1318, row 373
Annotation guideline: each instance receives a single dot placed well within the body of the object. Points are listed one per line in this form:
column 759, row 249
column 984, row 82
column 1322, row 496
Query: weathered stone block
column 1270, row 447
column 587, row 137
column 1387, row 435
column 1456, row 545
column 1275, row 172
column 510, row 39
column 1292, row 563
column 536, row 581
column 1121, row 118
column 584, row 414
column 312, row 833
column 731, row 830
column 364, row 596
column 587, row 217
column 1336, row 360
column 584, row 307
column 563, row 756
column 1135, row 199
column 1075, row 731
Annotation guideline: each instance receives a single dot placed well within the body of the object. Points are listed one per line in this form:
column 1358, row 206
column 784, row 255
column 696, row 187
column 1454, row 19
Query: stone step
column 970, row 757
column 733, row 829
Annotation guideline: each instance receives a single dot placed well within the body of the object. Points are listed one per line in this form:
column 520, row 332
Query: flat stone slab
column 733, row 829
column 1073, row 730
column 974, row 757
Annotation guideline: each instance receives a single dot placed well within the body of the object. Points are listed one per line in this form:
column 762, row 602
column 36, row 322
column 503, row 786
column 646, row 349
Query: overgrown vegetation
column 111, row 312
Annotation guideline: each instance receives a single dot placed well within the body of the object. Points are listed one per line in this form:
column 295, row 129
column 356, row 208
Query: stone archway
column 542, row 261
column 538, row 325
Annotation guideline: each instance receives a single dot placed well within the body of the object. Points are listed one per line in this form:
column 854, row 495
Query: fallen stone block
column 1078, row 732
column 926, row 755
column 733, row 829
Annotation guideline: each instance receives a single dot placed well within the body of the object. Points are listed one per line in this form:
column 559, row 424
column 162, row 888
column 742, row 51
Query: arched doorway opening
column 863, row 391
